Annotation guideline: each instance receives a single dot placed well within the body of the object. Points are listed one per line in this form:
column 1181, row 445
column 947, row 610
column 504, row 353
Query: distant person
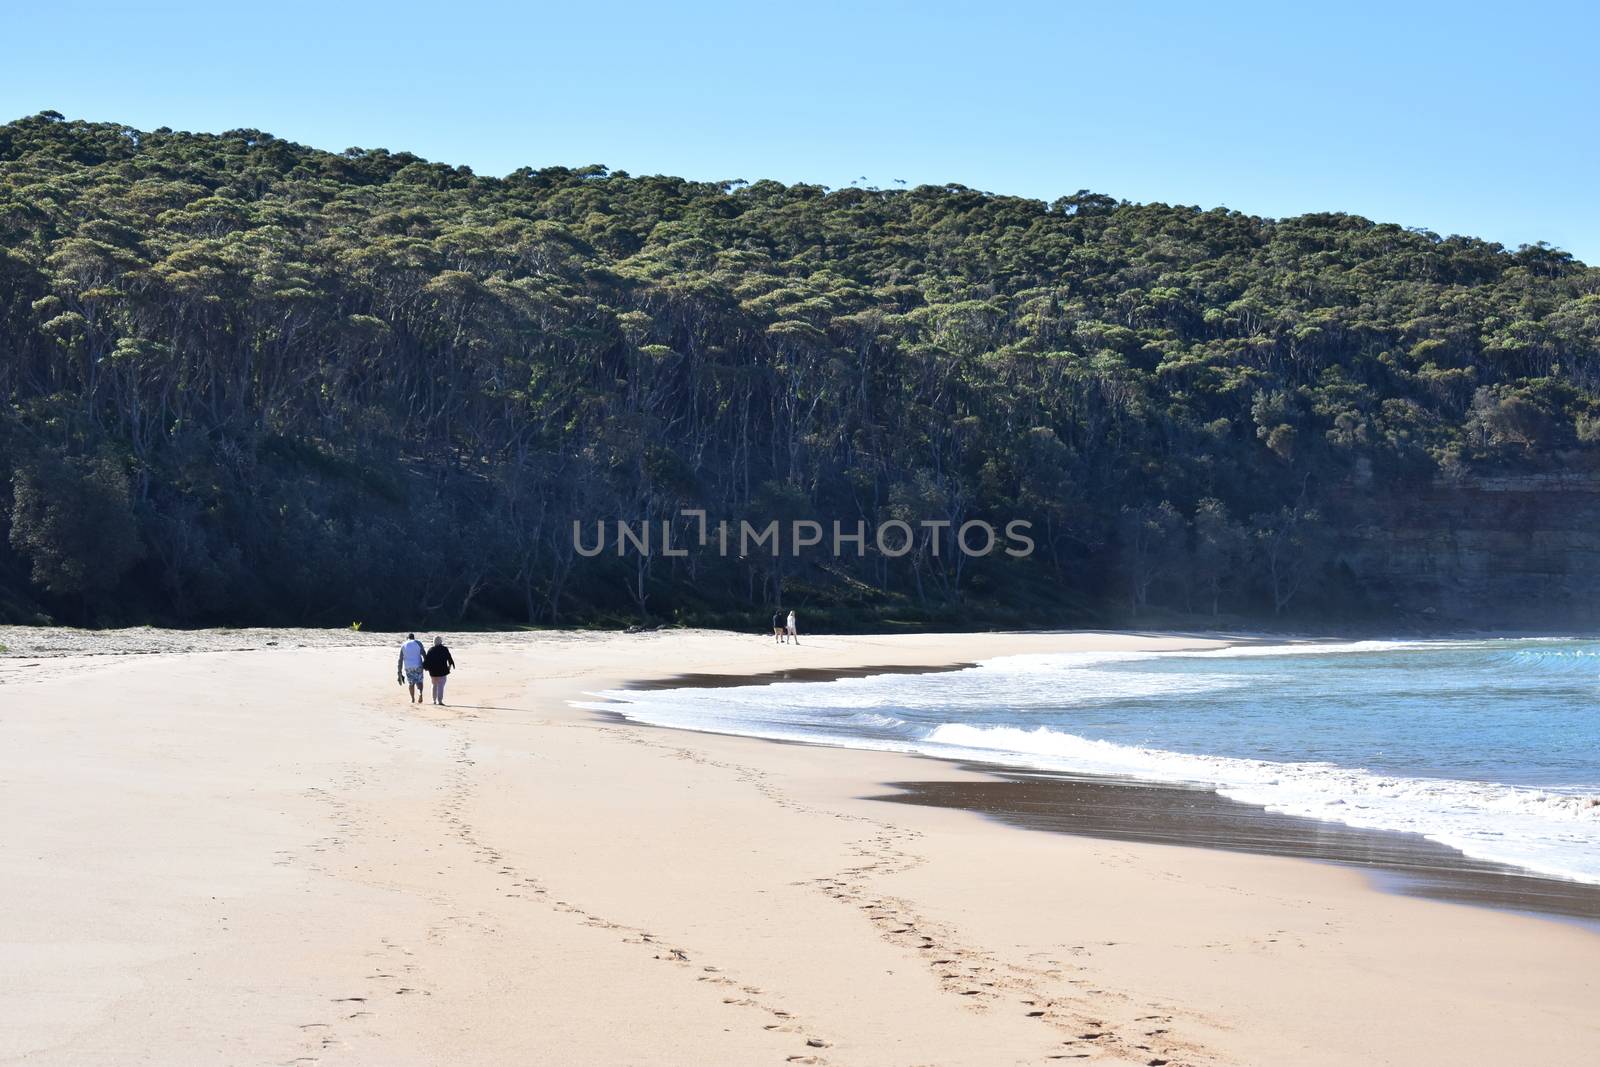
column 409, row 668
column 794, row 630
column 778, row 630
column 439, row 663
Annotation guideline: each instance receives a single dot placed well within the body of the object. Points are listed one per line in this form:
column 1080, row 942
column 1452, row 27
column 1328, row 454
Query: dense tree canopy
column 246, row 380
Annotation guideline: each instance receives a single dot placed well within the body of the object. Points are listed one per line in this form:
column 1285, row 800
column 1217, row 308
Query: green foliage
column 73, row 521
column 363, row 385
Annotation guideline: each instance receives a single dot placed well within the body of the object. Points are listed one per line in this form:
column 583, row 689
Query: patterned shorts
column 413, row 675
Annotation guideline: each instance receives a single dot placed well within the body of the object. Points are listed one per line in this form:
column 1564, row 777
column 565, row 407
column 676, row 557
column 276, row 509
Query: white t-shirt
column 411, row 654
column 791, row 622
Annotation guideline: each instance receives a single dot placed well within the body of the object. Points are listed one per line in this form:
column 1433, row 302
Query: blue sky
column 1460, row 118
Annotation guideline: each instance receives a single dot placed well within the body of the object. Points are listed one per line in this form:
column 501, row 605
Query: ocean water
column 1491, row 747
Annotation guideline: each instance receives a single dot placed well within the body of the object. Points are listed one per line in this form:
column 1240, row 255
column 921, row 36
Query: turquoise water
column 1492, row 747
column 1522, row 712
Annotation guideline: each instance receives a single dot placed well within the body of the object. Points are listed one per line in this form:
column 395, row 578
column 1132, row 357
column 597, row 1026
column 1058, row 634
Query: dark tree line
column 249, row 381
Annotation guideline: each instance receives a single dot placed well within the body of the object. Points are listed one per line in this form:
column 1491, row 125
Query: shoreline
column 1135, row 810
column 1141, row 810
column 205, row 868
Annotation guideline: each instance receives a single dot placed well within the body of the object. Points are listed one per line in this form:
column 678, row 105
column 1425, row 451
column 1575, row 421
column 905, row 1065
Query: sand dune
column 232, row 851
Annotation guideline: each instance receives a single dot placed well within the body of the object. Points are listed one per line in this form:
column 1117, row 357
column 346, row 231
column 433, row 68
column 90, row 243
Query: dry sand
column 249, row 853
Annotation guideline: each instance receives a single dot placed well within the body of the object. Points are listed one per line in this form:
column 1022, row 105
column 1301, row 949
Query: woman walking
column 438, row 663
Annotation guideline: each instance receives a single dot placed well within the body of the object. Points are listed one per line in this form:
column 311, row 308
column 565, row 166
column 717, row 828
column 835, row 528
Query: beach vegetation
column 252, row 382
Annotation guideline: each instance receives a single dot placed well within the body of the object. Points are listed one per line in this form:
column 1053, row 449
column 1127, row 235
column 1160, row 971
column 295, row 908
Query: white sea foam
column 1311, row 648
column 1541, row 830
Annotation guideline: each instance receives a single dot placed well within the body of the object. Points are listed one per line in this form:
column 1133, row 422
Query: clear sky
column 1457, row 117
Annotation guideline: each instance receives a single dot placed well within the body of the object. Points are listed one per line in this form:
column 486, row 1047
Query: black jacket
column 438, row 661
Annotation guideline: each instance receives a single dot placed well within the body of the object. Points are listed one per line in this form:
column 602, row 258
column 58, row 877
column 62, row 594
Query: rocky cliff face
column 1509, row 552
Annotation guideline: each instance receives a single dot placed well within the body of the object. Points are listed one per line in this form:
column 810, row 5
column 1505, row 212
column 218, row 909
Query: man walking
column 777, row 626
column 409, row 668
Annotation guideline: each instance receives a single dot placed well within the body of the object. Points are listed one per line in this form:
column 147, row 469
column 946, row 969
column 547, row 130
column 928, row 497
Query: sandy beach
column 247, row 847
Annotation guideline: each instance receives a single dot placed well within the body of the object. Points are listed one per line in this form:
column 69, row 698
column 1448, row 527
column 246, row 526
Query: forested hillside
column 250, row 381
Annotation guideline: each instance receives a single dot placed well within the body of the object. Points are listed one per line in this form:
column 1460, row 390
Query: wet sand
column 793, row 674
column 1126, row 810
